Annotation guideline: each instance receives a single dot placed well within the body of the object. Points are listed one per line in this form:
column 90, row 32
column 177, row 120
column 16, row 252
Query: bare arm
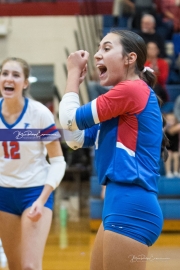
column 54, row 150
column 36, row 210
column 174, row 129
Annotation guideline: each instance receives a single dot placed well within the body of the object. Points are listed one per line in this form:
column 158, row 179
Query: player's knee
column 29, row 266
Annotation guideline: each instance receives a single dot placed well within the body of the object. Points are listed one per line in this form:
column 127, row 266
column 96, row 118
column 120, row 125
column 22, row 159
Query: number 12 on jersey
column 11, row 150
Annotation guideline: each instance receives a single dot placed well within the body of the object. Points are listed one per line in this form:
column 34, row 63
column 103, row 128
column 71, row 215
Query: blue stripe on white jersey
column 9, row 126
column 86, row 116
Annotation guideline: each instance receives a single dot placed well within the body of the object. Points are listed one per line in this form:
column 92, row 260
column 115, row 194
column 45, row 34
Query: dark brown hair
column 132, row 42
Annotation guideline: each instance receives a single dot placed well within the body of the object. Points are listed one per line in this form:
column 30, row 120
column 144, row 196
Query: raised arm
column 77, row 67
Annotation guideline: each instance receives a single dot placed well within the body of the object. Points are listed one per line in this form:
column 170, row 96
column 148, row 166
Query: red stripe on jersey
column 128, row 131
column 128, row 97
column 49, row 130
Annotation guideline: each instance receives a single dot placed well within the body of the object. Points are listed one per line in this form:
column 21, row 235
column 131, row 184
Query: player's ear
column 26, row 84
column 130, row 58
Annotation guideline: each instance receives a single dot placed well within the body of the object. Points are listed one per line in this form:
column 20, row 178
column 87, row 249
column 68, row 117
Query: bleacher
column 122, row 22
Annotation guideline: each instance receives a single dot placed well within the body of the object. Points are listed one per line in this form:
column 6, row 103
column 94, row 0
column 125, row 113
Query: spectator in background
column 170, row 10
column 117, row 10
column 148, row 33
column 172, row 130
column 138, row 8
column 177, row 108
column 161, row 70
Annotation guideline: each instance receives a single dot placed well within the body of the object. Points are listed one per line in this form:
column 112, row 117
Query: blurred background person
column 161, row 70
column 177, row 108
column 172, row 130
column 148, row 33
column 170, row 11
column 138, row 9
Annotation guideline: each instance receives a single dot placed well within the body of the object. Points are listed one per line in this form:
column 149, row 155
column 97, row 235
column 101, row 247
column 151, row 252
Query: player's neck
column 12, row 106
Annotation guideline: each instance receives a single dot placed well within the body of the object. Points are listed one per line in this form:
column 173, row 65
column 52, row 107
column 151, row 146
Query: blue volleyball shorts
column 16, row 200
column 132, row 211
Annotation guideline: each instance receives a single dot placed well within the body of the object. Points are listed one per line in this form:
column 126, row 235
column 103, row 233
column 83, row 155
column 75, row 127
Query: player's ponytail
column 147, row 75
column 165, row 140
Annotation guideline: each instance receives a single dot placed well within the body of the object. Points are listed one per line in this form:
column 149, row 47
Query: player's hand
column 83, row 74
column 77, row 62
column 36, row 211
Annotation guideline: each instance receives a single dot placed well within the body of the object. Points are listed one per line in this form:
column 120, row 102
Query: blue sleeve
column 90, row 136
column 84, row 117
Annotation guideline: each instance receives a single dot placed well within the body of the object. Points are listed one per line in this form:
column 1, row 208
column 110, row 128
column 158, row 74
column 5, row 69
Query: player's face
column 110, row 60
column 12, row 80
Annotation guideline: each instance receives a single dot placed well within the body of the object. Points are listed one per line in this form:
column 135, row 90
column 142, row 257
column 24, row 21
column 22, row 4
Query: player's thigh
column 10, row 234
column 122, row 252
column 97, row 252
column 34, row 236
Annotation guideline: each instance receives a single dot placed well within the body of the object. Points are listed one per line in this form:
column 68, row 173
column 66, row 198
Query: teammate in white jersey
column 27, row 180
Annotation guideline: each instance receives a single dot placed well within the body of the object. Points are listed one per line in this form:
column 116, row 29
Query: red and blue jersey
column 125, row 125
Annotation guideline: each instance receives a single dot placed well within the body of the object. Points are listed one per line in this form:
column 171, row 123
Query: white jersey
column 23, row 163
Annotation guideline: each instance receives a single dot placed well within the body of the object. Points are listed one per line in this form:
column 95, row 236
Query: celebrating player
column 125, row 125
column 27, row 180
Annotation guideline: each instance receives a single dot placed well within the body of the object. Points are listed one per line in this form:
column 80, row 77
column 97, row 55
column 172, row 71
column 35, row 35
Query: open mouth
column 8, row 88
column 102, row 69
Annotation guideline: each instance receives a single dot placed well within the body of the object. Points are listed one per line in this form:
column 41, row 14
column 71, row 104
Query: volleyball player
column 27, row 180
column 125, row 125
